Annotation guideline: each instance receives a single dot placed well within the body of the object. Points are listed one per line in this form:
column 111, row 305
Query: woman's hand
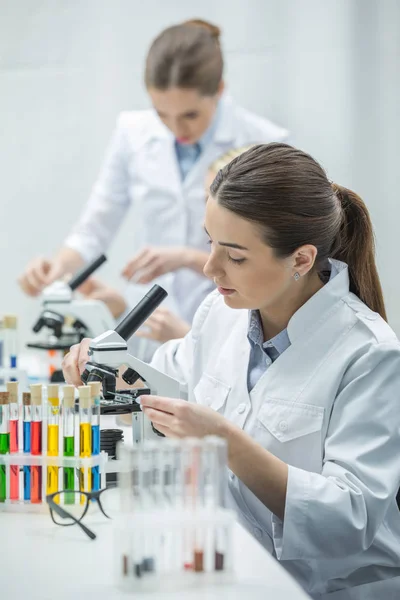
column 39, row 273
column 94, row 289
column 179, row 418
column 153, row 262
column 74, row 362
column 163, row 326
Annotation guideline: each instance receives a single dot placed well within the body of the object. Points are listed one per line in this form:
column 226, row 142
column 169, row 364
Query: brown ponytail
column 286, row 193
column 355, row 245
column 186, row 56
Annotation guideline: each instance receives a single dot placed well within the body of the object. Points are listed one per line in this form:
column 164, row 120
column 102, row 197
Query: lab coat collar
column 225, row 131
column 318, row 305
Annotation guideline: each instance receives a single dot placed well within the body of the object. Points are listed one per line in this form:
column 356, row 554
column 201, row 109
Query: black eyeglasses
column 68, row 507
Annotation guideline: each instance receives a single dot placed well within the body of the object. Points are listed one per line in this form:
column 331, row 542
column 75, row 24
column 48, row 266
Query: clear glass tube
column 14, row 447
column 4, row 441
column 215, row 461
column 26, row 431
column 95, row 439
column 85, row 437
column 53, row 421
column 69, row 450
column 10, row 340
column 36, row 449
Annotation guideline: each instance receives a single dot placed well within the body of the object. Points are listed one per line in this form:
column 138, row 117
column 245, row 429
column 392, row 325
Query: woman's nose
column 212, row 269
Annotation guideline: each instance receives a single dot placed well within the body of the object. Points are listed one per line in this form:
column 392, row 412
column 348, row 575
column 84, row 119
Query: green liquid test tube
column 69, row 440
column 4, row 440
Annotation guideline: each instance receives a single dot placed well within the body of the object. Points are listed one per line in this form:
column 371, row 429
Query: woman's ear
column 304, row 259
column 221, row 88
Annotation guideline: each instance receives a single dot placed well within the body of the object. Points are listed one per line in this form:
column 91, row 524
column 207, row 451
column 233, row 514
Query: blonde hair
column 226, row 158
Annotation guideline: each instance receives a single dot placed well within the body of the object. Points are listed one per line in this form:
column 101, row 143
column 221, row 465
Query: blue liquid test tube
column 27, row 417
column 95, row 395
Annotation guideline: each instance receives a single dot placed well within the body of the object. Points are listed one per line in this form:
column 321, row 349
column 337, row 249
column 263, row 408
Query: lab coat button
column 283, row 425
column 241, row 408
column 231, row 476
column 257, row 533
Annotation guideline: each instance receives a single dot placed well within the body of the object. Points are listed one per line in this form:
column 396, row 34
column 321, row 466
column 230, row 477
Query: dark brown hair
column 186, row 56
column 287, row 194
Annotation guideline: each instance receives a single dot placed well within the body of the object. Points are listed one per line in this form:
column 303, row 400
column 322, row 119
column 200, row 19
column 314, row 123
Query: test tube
column 148, row 500
column 69, row 439
column 189, row 477
column 12, row 388
column 26, row 422
column 53, row 419
column 36, row 441
column 172, row 500
column 85, row 436
column 11, row 342
column 95, row 387
column 215, row 463
column 4, row 440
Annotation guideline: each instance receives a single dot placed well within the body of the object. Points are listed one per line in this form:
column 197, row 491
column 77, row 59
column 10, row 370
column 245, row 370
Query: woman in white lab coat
column 158, row 159
column 292, row 361
column 163, row 325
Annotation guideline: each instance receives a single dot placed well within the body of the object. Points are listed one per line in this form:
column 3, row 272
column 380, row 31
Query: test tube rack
column 19, row 460
column 173, row 530
column 22, row 461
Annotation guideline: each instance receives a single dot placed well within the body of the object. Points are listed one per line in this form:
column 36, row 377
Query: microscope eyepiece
column 141, row 312
column 86, row 271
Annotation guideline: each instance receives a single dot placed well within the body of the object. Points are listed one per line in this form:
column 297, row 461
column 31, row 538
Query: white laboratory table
column 42, row 561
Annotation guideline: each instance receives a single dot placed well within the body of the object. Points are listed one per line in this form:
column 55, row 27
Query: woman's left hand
column 179, row 418
column 163, row 326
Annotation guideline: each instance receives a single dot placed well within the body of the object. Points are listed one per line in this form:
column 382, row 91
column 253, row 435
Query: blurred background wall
column 329, row 71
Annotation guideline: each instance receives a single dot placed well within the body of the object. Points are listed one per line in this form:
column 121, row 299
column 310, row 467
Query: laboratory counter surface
column 42, row 561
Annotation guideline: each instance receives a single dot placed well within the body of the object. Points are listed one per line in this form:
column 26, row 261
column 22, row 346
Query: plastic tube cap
column 36, row 393
column 52, row 394
column 95, row 386
column 12, row 389
column 4, row 398
column 10, row 322
column 85, row 396
column 69, row 395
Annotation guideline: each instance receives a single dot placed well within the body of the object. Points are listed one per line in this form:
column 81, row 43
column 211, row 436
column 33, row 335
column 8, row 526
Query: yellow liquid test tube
column 53, row 418
column 85, row 437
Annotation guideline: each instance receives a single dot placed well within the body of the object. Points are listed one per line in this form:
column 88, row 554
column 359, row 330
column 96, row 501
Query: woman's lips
column 225, row 291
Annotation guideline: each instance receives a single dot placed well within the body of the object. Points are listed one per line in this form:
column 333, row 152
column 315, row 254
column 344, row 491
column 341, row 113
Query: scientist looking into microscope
column 292, row 362
column 158, row 160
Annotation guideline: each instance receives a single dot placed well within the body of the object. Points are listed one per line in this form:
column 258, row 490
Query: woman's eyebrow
column 228, row 244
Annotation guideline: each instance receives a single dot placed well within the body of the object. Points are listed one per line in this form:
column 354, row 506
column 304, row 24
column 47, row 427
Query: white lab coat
column 329, row 407
column 141, row 167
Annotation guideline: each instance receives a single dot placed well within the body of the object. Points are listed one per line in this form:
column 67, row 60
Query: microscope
column 109, row 351
column 67, row 319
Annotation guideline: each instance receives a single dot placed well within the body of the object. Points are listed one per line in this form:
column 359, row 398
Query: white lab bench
column 42, row 561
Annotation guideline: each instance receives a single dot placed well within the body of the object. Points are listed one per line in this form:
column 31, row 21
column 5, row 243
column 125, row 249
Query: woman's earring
column 296, row 276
